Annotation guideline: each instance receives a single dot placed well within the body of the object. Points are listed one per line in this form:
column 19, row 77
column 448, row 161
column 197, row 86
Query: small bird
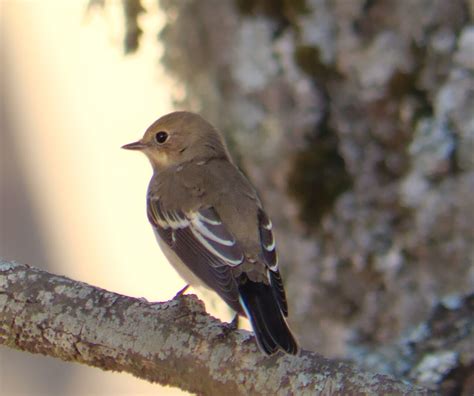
column 211, row 225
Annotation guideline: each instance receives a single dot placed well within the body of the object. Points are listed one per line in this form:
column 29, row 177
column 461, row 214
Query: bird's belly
column 181, row 268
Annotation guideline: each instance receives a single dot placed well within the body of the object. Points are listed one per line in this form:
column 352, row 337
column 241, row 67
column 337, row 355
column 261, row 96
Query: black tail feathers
column 267, row 320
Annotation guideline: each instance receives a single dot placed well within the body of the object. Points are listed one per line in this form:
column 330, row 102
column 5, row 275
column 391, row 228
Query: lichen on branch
column 173, row 343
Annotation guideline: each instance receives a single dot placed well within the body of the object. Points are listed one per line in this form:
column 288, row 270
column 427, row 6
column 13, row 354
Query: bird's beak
column 138, row 145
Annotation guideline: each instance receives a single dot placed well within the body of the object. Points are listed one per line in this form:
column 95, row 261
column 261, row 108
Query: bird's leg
column 234, row 323
column 181, row 292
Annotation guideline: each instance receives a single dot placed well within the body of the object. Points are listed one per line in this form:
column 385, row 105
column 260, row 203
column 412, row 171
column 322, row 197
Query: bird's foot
column 234, row 323
column 181, row 292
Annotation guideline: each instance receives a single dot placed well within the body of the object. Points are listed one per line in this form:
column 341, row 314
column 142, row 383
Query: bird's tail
column 267, row 320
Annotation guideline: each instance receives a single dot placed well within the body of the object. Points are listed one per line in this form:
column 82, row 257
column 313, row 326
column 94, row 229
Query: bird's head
column 177, row 138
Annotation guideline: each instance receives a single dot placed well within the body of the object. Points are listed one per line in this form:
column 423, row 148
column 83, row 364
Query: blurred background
column 354, row 119
column 73, row 202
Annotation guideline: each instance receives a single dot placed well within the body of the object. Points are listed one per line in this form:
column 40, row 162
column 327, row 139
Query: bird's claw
column 181, row 292
column 234, row 323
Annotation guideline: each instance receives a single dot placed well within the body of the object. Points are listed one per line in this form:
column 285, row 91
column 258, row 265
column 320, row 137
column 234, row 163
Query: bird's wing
column 204, row 245
column 270, row 257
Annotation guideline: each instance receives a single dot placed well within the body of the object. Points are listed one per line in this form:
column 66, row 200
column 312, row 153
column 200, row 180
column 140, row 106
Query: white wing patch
column 270, row 246
column 267, row 241
column 211, row 235
column 268, row 224
column 208, row 220
column 201, row 228
column 175, row 221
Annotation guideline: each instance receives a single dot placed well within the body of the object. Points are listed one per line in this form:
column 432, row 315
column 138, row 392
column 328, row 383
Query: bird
column 211, row 225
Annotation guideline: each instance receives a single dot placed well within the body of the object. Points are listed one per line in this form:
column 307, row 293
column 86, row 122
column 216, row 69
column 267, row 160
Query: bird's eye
column 161, row 137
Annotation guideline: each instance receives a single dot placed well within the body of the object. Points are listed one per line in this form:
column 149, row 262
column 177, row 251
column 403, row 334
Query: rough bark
column 174, row 343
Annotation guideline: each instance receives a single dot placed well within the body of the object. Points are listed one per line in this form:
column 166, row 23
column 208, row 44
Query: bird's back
column 219, row 184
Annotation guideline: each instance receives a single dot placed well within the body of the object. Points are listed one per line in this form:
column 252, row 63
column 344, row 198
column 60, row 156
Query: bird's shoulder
column 198, row 184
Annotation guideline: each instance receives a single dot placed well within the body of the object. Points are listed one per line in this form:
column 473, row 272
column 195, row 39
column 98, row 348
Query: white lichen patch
column 432, row 146
column 452, row 301
column 255, row 63
column 7, row 265
column 219, row 357
column 244, row 335
column 413, row 189
column 66, row 322
column 89, row 304
column 389, row 263
column 175, row 345
column 45, row 297
column 264, row 382
column 33, row 277
column 303, row 379
column 387, row 53
column 39, row 317
column 330, row 386
column 465, row 54
column 420, row 333
column 211, row 330
column 3, row 302
column 73, row 292
column 96, row 332
column 18, row 275
column 148, row 343
column 318, row 29
column 29, row 331
column 250, row 359
column 433, row 367
column 60, row 289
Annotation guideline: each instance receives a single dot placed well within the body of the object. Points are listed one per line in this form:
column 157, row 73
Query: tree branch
column 173, row 343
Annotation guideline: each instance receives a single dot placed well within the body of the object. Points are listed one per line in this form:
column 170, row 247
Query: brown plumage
column 211, row 224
